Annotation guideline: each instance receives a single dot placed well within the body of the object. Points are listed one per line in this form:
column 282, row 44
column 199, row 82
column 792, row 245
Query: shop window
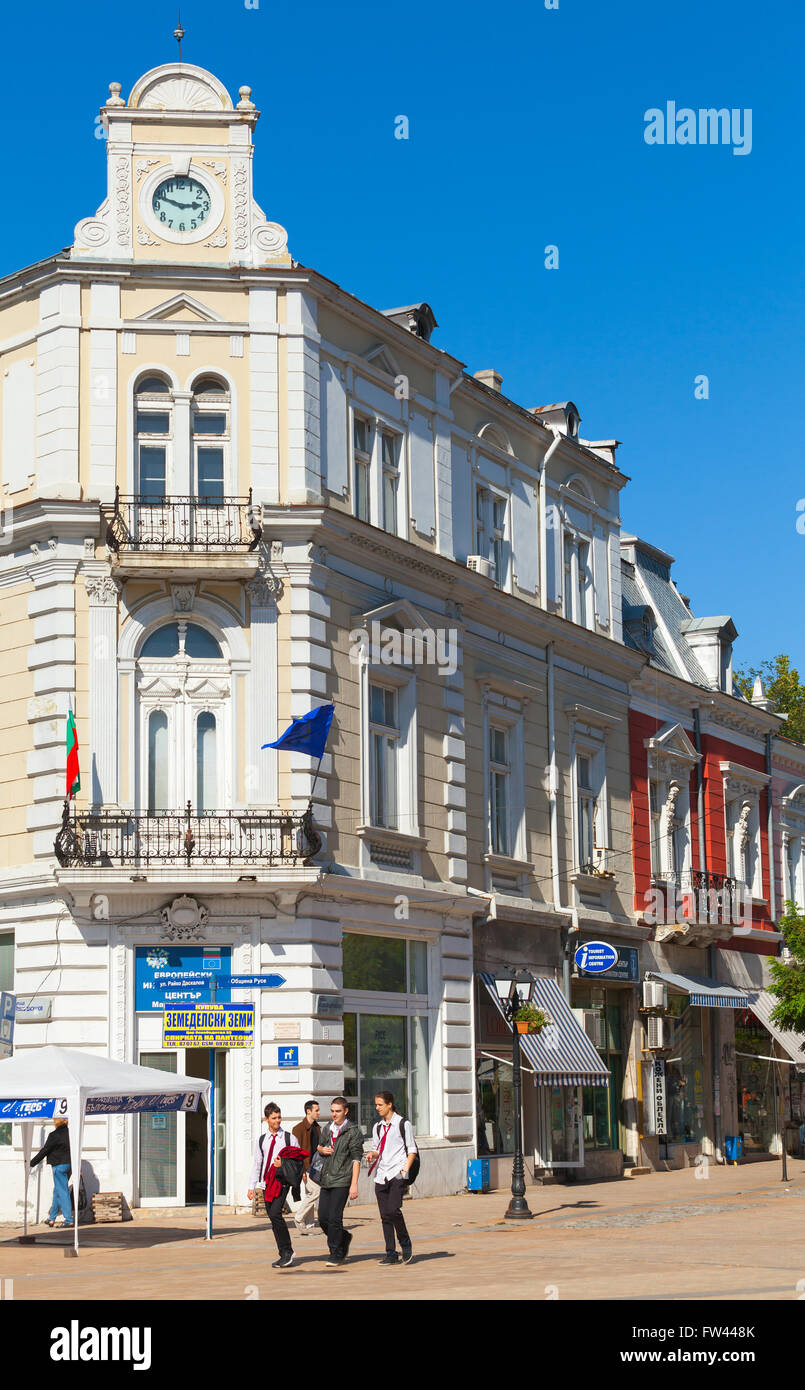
column 386, row 1040
column 495, row 1109
column 755, row 1079
column 603, row 1105
column 684, row 1072
column 158, row 1144
column 7, row 984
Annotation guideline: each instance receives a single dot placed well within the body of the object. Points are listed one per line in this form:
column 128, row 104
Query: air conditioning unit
column 656, row 1032
column 481, row 565
column 655, row 995
column 593, row 1024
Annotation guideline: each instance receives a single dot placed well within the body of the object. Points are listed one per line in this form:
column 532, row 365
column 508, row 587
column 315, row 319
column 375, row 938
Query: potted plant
column 528, row 1019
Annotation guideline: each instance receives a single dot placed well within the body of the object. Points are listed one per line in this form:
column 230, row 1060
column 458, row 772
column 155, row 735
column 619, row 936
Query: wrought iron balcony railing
column 110, row 839
column 701, row 897
column 144, row 523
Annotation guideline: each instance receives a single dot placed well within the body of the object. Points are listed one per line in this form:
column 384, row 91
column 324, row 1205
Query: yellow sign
column 209, row 1025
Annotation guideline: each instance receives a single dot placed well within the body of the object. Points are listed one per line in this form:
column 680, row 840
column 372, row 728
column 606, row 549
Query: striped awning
column 562, row 1054
column 761, row 1004
column 707, row 994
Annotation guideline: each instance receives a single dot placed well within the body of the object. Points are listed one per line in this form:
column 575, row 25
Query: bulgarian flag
column 73, row 778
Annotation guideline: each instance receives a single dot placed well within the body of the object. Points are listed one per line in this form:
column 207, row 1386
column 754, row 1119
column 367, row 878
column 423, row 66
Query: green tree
column 782, row 685
column 788, row 979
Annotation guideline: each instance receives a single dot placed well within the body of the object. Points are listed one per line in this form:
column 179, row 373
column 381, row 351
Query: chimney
column 489, row 377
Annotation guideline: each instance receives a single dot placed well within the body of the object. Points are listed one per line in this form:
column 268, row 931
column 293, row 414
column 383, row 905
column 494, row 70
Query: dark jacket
column 337, row 1170
column 308, row 1137
column 56, row 1148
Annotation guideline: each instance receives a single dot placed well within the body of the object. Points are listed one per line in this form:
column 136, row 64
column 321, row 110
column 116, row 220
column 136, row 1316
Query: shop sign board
column 626, row 967
column 8, row 1007
column 288, row 1056
column 169, row 976
column 34, row 1009
column 595, row 957
column 659, row 1097
column 209, row 1025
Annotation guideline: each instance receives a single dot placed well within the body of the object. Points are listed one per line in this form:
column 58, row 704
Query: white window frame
column 410, row 1006
column 390, row 471
column 503, row 711
column 362, row 457
column 404, row 681
column 153, row 403
column 743, row 787
column 491, row 536
column 389, row 734
column 198, row 409
column 674, row 839
column 595, row 752
column 577, row 597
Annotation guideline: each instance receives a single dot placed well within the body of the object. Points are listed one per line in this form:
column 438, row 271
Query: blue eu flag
column 307, row 733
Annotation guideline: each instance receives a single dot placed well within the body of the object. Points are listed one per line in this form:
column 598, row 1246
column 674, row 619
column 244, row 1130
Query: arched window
column 153, row 433
column 211, row 430
column 185, row 639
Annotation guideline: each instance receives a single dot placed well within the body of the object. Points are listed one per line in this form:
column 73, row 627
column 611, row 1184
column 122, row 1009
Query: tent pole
column 211, row 1144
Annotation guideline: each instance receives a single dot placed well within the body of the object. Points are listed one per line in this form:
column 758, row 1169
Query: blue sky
column 526, row 129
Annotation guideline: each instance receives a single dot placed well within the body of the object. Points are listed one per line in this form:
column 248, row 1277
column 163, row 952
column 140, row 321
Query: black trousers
column 389, row 1200
column 274, row 1211
column 332, row 1201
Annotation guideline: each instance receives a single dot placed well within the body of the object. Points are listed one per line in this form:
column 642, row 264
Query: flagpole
column 316, row 775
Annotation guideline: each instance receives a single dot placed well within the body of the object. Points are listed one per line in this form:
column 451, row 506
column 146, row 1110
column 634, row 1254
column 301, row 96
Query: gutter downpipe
column 770, row 832
column 543, row 516
column 553, row 789
column 711, row 950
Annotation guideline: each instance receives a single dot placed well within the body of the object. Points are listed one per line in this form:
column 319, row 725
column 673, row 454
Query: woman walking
column 56, row 1149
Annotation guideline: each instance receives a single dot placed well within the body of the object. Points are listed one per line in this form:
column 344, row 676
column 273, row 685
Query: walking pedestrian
column 308, row 1136
column 56, row 1149
column 393, row 1153
column 264, row 1176
column 341, row 1147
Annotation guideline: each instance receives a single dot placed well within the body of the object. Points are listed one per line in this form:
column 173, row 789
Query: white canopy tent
column 61, row 1083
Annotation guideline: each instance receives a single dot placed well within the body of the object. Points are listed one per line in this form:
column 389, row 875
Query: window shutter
column 524, row 535
column 463, row 538
column 423, row 503
column 334, row 451
column 601, row 578
column 554, row 550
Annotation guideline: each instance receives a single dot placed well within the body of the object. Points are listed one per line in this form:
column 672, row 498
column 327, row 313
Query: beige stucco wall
column 16, row 688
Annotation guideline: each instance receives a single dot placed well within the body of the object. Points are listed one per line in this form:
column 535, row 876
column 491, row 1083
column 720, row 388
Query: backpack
column 413, row 1171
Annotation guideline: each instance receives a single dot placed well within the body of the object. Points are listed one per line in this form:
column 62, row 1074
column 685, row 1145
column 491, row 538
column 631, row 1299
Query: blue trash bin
column 478, row 1174
column 734, row 1147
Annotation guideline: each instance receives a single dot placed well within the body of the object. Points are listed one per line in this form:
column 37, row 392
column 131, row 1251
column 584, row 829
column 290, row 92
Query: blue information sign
column 167, row 976
column 626, row 968
column 288, row 1056
column 253, row 981
column 595, row 957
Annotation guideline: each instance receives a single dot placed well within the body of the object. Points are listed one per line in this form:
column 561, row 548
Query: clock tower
column 179, row 168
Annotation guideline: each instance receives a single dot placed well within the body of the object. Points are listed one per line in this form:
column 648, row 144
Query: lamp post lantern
column 514, row 988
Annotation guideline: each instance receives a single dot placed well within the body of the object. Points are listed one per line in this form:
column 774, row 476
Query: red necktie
column 380, row 1150
column 267, row 1175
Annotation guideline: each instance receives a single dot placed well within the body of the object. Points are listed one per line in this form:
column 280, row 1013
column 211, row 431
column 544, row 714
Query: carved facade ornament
column 184, row 919
column 742, row 828
column 240, row 208
column 275, row 552
column 264, row 590
column 143, row 165
column 180, row 94
column 103, row 591
column 219, row 240
column 183, row 596
column 122, row 200
column 144, row 239
column 218, row 167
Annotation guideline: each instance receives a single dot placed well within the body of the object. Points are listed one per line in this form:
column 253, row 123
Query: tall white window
column 499, row 790
column 361, row 466
column 578, row 581
column 389, row 451
column 655, row 826
column 490, row 530
column 586, row 809
column 153, row 435
column 384, row 748
column 183, row 695
column 210, row 425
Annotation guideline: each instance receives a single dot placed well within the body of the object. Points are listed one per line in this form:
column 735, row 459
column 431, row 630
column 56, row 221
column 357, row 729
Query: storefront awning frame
column 703, row 992
column 562, row 1055
column 761, row 1003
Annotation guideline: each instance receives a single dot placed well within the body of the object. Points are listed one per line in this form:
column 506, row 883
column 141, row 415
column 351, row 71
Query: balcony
column 257, row 840
column 696, row 906
column 199, row 534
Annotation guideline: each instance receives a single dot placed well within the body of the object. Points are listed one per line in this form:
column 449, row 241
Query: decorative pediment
column 381, row 357
column 742, row 781
column 180, row 308
column 670, row 752
column 493, row 433
column 399, row 613
column 160, row 686
column 792, row 805
column 205, row 688
column 179, row 88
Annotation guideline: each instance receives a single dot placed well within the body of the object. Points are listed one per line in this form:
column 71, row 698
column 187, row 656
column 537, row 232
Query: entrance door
column 172, row 1148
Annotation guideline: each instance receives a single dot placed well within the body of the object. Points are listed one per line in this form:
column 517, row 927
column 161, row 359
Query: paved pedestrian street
column 738, row 1233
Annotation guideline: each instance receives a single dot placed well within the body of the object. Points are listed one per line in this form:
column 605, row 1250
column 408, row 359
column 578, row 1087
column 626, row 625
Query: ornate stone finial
column 115, row 99
column 245, row 103
column 178, row 34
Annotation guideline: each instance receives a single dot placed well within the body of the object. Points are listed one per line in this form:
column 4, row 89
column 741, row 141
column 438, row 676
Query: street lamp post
column 515, row 988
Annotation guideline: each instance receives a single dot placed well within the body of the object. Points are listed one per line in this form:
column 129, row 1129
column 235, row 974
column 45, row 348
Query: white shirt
column 335, row 1130
column 256, row 1181
column 393, row 1159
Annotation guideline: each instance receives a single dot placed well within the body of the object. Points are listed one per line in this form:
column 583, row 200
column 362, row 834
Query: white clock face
column 181, row 203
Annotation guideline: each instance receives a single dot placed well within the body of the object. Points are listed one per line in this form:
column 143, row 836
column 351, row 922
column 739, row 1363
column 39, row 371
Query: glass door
column 160, row 1152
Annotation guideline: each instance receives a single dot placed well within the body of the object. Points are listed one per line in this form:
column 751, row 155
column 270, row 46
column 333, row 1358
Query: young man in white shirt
column 264, row 1175
column 390, row 1159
